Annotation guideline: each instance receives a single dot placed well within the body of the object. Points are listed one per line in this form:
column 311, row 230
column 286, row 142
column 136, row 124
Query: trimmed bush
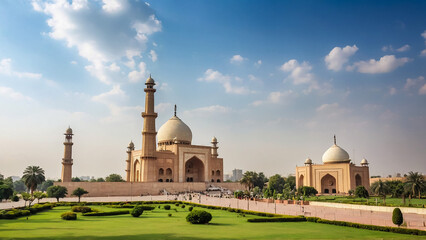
column 69, row 216
column 177, row 204
column 183, row 206
column 190, row 208
column 119, row 212
column 81, row 209
column 169, row 214
column 137, row 211
column 199, row 217
column 15, row 198
column 397, row 217
column 167, row 207
column 278, row 219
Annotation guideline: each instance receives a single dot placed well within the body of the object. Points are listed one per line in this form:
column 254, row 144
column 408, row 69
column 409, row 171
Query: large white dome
column 174, row 128
column 335, row 154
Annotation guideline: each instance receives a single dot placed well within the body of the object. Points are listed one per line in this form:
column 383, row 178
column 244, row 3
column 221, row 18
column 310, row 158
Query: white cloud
column 339, row 56
column 114, row 96
column 211, row 75
column 12, row 94
column 276, row 97
column 258, row 63
column 423, row 53
column 392, row 91
column 237, row 59
column 73, row 62
column 404, row 48
column 299, row 73
column 137, row 76
column 423, row 34
column 163, row 107
column 331, row 110
column 413, row 82
column 422, row 90
column 6, row 69
column 103, row 33
column 153, row 55
column 385, row 64
column 208, row 110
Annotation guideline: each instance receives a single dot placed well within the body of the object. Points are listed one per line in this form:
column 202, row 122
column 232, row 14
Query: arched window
column 161, row 171
column 160, row 180
column 167, row 180
column 218, row 173
column 212, row 172
column 301, row 178
column 358, row 181
column 218, row 180
column 168, row 171
column 212, row 180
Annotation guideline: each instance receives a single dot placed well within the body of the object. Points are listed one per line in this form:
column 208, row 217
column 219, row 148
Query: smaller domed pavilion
column 337, row 174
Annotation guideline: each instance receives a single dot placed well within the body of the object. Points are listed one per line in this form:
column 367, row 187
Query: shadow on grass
column 131, row 237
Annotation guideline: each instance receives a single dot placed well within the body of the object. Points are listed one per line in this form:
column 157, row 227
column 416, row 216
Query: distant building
column 337, row 174
column 227, row 176
column 237, row 174
column 85, row 178
column 15, row 178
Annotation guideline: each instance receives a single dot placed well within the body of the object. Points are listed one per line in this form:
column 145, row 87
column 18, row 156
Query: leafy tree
column 260, row 180
column 45, row 185
column 361, row 192
column 381, row 189
column 397, row 217
column 100, row 180
column 6, row 192
column 75, row 179
column 8, row 182
column 33, row 176
column 39, row 196
column 114, row 178
column 79, row 192
column 288, row 192
column 267, row 193
column 415, row 183
column 256, row 192
column 92, row 180
column 291, row 180
column 19, row 186
column 27, row 198
column 253, row 179
column 276, row 183
column 57, row 192
column 307, row 191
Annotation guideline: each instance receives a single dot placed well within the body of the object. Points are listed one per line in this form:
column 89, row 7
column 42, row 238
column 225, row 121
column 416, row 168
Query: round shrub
column 190, row 208
column 177, row 204
column 159, row 206
column 137, row 211
column 169, row 214
column 15, row 198
column 397, row 217
column 199, row 217
column 183, row 206
column 69, row 216
column 167, row 207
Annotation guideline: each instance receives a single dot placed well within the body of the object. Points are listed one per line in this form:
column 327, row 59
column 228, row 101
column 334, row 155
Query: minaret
column 214, row 147
column 130, row 148
column 67, row 160
column 148, row 133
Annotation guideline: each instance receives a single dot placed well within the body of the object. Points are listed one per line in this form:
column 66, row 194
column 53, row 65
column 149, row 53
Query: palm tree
column 249, row 179
column 380, row 188
column 415, row 183
column 33, row 176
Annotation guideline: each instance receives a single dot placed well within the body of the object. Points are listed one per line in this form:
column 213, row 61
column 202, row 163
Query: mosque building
column 174, row 158
column 337, row 174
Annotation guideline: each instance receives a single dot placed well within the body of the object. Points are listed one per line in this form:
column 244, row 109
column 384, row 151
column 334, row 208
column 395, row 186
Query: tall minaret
column 130, row 148
column 214, row 147
column 67, row 160
column 148, row 133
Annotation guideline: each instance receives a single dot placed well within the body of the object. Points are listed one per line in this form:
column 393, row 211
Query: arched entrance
column 328, row 184
column 358, row 181
column 194, row 170
column 301, row 178
column 136, row 171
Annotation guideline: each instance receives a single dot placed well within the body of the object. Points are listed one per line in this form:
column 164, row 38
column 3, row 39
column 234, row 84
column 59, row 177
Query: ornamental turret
column 67, row 161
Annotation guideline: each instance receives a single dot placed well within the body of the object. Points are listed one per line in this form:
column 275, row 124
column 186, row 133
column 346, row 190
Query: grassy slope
column 157, row 225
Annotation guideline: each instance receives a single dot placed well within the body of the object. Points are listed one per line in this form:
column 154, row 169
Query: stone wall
column 107, row 189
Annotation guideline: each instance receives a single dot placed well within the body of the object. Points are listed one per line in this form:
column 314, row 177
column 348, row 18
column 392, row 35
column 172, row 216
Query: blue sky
column 272, row 80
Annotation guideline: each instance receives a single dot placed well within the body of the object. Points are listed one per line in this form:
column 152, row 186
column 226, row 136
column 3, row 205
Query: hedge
column 279, row 219
column 82, row 209
column 119, row 212
column 69, row 216
column 368, row 227
column 24, row 211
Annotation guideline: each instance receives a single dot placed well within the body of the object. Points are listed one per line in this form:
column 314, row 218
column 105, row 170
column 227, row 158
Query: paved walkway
column 413, row 220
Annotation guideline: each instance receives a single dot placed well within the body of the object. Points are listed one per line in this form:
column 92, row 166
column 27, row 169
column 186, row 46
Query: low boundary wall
column 107, row 189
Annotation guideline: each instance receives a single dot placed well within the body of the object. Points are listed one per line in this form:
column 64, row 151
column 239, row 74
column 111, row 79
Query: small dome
column 69, row 131
column 131, row 144
column 308, row 161
column 174, row 128
column 150, row 80
column 364, row 161
column 335, row 154
column 214, row 140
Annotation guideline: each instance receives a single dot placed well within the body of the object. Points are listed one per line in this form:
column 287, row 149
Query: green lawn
column 414, row 202
column 157, row 225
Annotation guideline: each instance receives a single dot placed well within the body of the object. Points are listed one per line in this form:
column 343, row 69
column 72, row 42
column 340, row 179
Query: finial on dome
column 175, row 110
column 335, row 139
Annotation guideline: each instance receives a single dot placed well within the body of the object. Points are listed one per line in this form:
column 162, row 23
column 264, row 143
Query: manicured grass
column 393, row 202
column 157, row 225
